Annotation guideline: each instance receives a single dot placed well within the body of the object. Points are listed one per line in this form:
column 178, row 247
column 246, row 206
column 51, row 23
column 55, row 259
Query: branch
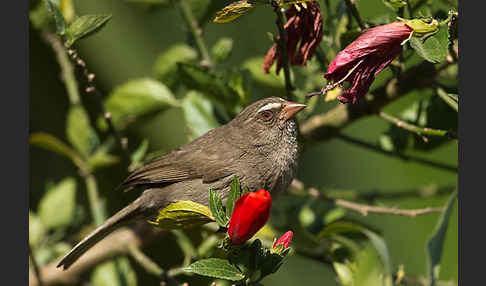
column 67, row 69
column 282, row 49
column 378, row 149
column 196, row 32
column 322, row 127
column 422, row 132
column 115, row 244
column 91, row 88
column 150, row 266
column 297, row 186
column 354, row 11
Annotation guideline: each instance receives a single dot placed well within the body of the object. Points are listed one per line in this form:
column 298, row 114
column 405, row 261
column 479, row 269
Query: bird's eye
column 266, row 115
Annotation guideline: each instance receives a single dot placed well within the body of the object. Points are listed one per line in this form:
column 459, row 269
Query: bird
column 259, row 146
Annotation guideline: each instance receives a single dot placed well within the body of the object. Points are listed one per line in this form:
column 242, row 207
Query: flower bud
column 251, row 212
column 284, row 239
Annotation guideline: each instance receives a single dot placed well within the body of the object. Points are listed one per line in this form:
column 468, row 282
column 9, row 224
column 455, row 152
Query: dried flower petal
column 303, row 26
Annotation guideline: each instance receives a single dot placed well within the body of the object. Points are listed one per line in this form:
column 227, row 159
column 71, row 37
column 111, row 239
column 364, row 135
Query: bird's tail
column 120, row 218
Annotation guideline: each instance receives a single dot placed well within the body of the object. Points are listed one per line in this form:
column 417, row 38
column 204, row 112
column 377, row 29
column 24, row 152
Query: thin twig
column 282, row 50
column 196, row 32
column 98, row 210
column 420, row 131
column 378, row 149
column 443, row 95
column 36, row 267
column 363, row 209
column 150, row 266
column 67, row 69
column 91, row 89
column 354, row 11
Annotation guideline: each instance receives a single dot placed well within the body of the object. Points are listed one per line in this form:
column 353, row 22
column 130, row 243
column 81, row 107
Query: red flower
column 284, row 239
column 364, row 58
column 304, row 26
column 251, row 212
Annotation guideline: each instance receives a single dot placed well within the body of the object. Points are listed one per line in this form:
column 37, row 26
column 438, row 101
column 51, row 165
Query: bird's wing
column 208, row 157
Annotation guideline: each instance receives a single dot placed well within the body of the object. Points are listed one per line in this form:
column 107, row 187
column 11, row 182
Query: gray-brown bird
column 259, row 146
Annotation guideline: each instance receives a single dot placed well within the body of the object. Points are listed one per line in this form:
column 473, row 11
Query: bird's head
column 269, row 120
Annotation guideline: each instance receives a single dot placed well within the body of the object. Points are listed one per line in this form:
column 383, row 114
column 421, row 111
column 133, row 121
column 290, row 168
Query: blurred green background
column 127, row 48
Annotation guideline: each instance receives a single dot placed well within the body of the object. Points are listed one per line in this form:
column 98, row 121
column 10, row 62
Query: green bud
column 421, row 27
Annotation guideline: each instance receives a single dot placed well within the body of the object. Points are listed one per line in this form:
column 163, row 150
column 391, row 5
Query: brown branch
column 325, row 126
column 298, row 187
column 116, row 244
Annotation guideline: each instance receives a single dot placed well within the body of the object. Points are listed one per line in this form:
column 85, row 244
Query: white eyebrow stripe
column 269, row 106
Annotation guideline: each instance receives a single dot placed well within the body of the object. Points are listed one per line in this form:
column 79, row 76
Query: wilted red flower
column 251, row 212
column 304, row 26
column 365, row 57
column 284, row 239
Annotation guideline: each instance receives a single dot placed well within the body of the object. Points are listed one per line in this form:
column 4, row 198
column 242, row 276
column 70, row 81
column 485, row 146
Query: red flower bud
column 284, row 239
column 365, row 57
column 251, row 212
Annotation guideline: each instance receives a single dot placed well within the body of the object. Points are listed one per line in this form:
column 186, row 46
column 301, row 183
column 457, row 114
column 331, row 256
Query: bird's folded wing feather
column 208, row 157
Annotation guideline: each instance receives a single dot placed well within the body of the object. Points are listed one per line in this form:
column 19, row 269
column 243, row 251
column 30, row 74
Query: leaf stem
column 422, row 132
column 97, row 208
column 150, row 266
column 402, row 156
column 196, row 32
column 282, row 50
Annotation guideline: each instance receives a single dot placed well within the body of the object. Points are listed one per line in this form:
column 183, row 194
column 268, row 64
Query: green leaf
column 79, row 131
column 234, row 194
column 344, row 273
column 233, row 11
column 451, row 99
column 36, row 230
column 165, row 67
column 102, row 159
column 85, row 26
column 433, row 48
column 183, row 214
column 216, row 268
column 198, row 113
column 254, row 66
column 51, row 143
column 216, row 206
column 40, row 16
column 222, row 49
column 117, row 272
column 435, row 243
column 213, row 85
column 58, row 17
column 137, row 98
column 349, row 227
column 56, row 208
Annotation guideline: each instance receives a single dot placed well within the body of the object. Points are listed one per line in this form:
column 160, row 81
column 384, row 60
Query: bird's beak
column 290, row 109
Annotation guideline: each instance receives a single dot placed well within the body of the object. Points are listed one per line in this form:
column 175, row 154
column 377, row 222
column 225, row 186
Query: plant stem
column 422, row 132
column 362, row 208
column 150, row 266
column 282, row 50
column 443, row 95
column 196, row 32
column 67, row 69
column 378, row 149
column 354, row 11
column 95, row 204
column 36, row 267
